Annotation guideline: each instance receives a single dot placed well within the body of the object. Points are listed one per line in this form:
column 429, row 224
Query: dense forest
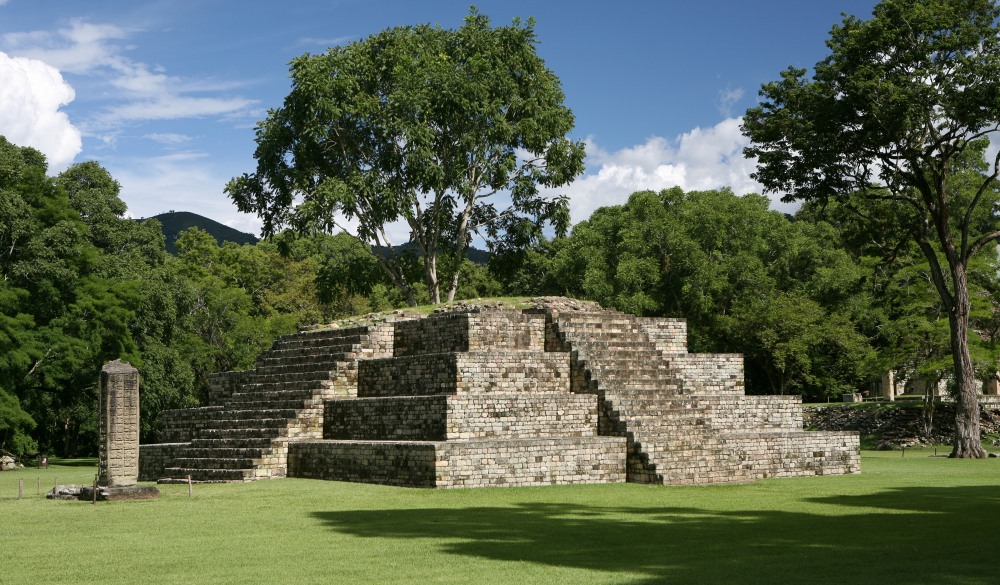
column 810, row 299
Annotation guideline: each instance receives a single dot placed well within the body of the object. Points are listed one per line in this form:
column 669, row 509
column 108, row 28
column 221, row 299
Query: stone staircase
column 245, row 435
column 685, row 416
column 467, row 400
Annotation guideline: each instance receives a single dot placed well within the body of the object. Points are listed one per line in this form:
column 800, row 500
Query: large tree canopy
column 421, row 124
column 894, row 123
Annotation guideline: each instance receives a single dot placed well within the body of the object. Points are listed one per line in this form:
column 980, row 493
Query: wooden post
column 189, row 486
column 94, row 494
column 20, row 489
column 38, row 488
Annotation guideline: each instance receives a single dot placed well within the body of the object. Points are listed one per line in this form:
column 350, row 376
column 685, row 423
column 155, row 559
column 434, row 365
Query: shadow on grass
column 911, row 535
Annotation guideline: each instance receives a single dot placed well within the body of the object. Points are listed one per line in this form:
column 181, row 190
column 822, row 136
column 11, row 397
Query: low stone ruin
column 564, row 392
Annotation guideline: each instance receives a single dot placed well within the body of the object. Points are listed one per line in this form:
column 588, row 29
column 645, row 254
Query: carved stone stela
column 118, row 460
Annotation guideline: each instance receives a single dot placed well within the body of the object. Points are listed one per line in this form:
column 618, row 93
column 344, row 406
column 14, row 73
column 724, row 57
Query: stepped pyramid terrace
column 488, row 395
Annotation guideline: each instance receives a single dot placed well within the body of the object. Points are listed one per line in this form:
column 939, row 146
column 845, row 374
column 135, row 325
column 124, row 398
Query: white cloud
column 80, row 48
column 727, row 99
column 141, row 92
column 173, row 107
column 325, row 43
column 698, row 160
column 169, row 138
column 32, row 93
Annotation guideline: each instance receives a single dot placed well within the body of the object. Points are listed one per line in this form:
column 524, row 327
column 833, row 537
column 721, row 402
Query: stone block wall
column 462, row 417
column 667, row 335
column 155, row 458
column 388, row 463
column 525, row 462
column 470, row 332
column 744, row 413
column 710, row 373
column 792, row 454
column 450, row 373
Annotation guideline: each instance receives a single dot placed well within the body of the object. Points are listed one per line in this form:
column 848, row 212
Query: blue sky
column 166, row 94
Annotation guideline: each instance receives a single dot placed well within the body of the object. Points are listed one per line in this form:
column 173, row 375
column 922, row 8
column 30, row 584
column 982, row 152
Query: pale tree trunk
column 430, row 272
column 461, row 246
column 968, row 444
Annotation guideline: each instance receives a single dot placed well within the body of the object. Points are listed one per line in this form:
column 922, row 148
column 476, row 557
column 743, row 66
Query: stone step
column 180, row 474
column 241, row 413
column 285, row 378
column 234, row 443
column 638, row 373
column 214, row 463
column 625, row 343
column 246, row 403
column 222, row 452
column 302, row 356
column 252, row 423
column 649, row 358
column 651, row 388
column 596, row 320
column 344, row 341
column 280, row 390
column 310, row 347
column 244, row 433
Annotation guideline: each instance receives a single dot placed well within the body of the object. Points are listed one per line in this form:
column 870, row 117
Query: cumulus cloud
column 32, row 93
column 142, row 92
column 702, row 159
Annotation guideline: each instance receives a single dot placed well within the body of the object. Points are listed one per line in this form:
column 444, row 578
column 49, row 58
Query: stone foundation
column 502, row 463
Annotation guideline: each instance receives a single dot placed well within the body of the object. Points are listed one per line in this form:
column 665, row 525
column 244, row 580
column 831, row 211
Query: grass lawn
column 904, row 519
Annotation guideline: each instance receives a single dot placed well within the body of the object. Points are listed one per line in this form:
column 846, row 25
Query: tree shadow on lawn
column 907, row 535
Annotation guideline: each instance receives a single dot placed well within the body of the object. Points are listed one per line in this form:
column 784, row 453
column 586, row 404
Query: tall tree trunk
column 968, row 443
column 430, row 275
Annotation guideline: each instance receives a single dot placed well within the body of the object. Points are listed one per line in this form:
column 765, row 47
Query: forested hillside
column 174, row 222
column 815, row 312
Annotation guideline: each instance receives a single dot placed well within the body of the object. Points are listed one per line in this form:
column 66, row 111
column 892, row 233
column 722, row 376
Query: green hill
column 174, row 222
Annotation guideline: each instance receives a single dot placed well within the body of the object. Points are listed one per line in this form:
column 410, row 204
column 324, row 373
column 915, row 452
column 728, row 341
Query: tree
column 897, row 117
column 420, row 124
column 746, row 278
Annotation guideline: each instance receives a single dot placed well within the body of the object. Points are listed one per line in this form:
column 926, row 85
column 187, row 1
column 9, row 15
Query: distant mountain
column 174, row 222
column 475, row 254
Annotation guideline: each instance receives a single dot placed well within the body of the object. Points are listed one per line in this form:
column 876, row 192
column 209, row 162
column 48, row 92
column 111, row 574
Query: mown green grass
column 911, row 518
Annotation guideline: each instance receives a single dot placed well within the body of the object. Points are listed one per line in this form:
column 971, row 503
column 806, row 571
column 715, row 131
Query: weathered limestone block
column 451, row 373
column 470, row 332
column 461, row 417
column 493, row 463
